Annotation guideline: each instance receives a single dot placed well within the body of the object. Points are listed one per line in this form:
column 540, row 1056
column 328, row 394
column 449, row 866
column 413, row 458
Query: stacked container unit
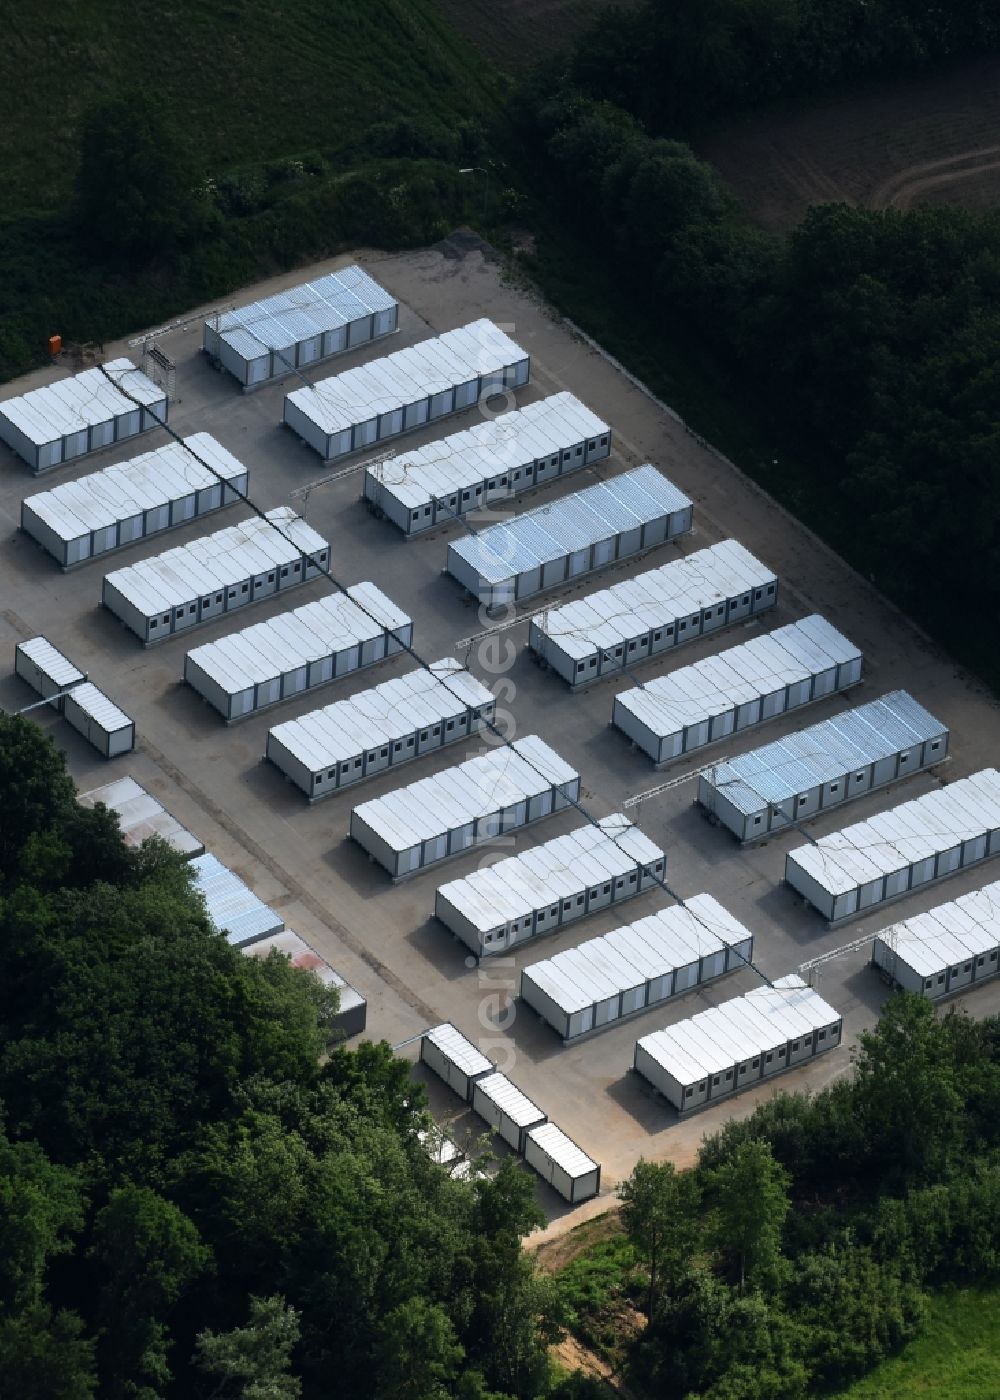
column 745, row 686
column 99, row 720
column 733, row 1046
column 540, row 890
column 291, row 330
column 573, row 536
column 217, row 574
column 399, row 720
column 68, row 419
column 894, row 852
column 375, row 402
column 631, row 969
column 352, row 1013
column 297, row 651
column 951, row 947
column 46, row 670
column 779, row 785
column 79, row 520
column 454, row 1059
column 490, row 462
column 140, row 816
column 609, row 631
column 232, row 907
column 434, row 818
column 508, row 1112
column 557, row 1160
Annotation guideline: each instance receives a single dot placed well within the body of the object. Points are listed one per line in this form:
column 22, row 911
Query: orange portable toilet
column 55, row 345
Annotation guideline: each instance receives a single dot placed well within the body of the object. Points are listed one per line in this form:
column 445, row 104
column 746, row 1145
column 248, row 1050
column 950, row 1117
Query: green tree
column 41, row 1213
column 659, row 1212
column 36, row 789
column 45, row 1356
column 748, row 1194
column 253, row 1362
column 418, row 1355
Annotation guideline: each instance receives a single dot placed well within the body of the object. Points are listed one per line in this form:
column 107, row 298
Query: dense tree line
column 201, row 1194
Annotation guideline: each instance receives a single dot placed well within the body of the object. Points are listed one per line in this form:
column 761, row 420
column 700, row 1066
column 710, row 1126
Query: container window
column 768, row 1058
column 770, row 589
column 218, row 597
column 192, row 609
column 415, row 515
column 688, row 1093
column 755, row 1064
column 409, row 742
column 701, row 1086
column 821, row 1035
column 795, row 1044
column 801, row 801
column 153, row 622
column 579, row 666
column 423, row 734
column 270, row 577
column 591, row 445
column 729, row 1074
column 330, row 776
column 657, row 636
column 450, row 725
column 206, row 602
column 579, row 900
column 904, row 757
column 284, row 572
column 834, row 787
column 607, row 888
column 935, row 744
column 756, row 821
column 567, row 904
column 746, row 598
column 715, row 1080
column 357, row 763
column 604, row 440
column 245, row 588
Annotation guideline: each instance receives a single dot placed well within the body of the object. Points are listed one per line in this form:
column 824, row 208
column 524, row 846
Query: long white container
column 508, row 1112
column 491, row 461
column 873, row 862
column 737, row 689
column 78, row 520
column 232, row 907
column 140, row 816
column 302, row 326
column 625, row 972
column 46, row 670
column 609, row 631
column 71, row 417
column 399, row 720
column 568, row 538
column 730, row 1047
column 99, row 720
column 434, row 818
column 553, row 884
column 377, row 401
column 352, row 1013
column 952, row 946
column 296, row 651
column 453, row 1058
column 773, row 788
column 557, row 1160
column 216, row 574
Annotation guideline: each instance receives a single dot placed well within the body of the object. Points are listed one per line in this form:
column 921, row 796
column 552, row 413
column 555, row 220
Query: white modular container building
column 350, row 740
column 453, row 1058
column 296, row 651
column 352, row 1014
column 953, row 946
column 434, row 818
column 78, row 520
column 71, row 417
column 492, row 461
column 850, row 871
column 737, row 1044
column 46, row 670
column 232, row 907
column 629, row 622
column 216, row 574
column 625, row 972
column 553, row 884
column 737, row 689
column 140, row 816
column 557, row 1160
column 99, row 720
column 508, row 1112
column 779, row 785
column 375, row 402
column 568, row 538
column 302, row 326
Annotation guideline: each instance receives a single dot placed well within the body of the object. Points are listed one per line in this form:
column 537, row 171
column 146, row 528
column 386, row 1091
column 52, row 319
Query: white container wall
column 454, row 1059
column 290, row 330
column 434, row 818
column 99, row 720
column 375, row 402
column 399, row 720
column 609, row 631
column 737, row 689
column 850, row 871
column 570, row 537
column 954, row 946
column 141, row 816
column 508, row 1112
column 557, row 1160
column 625, row 972
column 232, row 907
column 79, row 520
column 779, row 785
column 353, row 1011
column 296, row 651
column 492, row 461
column 553, row 884
column 216, row 574
column 46, row 670
column 731, row 1047
column 68, row 419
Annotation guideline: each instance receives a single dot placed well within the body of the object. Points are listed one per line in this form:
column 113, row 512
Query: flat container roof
column 72, row 405
column 562, row 1150
column 51, row 662
column 232, row 906
column 140, row 816
column 279, row 322
column 99, row 707
column 509, row 1099
column 456, row 1048
column 949, row 933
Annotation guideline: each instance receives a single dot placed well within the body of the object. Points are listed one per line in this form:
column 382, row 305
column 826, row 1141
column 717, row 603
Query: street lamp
column 479, row 170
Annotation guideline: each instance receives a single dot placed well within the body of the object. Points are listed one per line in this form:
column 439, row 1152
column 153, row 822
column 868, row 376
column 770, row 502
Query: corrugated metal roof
column 562, row 1150
column 83, row 401
column 279, row 322
column 140, row 816
column 509, row 1099
column 232, row 907
column 99, row 707
column 461, row 1052
column 51, row 662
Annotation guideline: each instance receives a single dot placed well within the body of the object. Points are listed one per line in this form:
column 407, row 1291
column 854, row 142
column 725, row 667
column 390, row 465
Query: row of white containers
column 779, row 785
column 78, row 520
column 392, row 723
column 622, row 973
column 553, row 884
column 570, row 537
column 140, row 815
column 732, row 1046
column 434, row 818
column 379, row 400
column 89, row 711
column 950, row 947
column 302, row 326
column 489, row 462
column 521, row 1124
column 620, row 626
column 271, row 661
column 737, row 689
column 912, row 845
column 81, row 414
column 158, row 597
